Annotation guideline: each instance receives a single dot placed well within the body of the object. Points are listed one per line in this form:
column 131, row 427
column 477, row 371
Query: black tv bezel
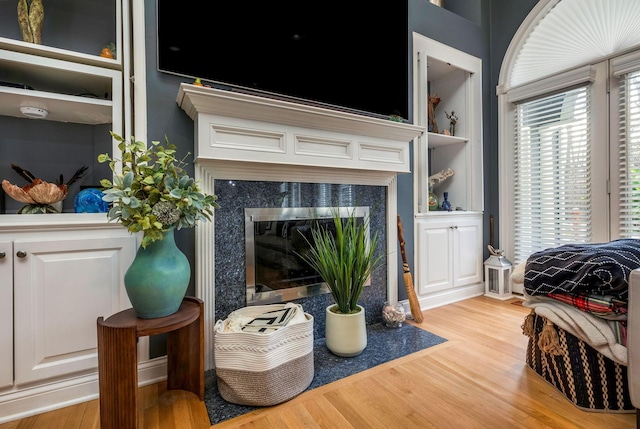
column 400, row 93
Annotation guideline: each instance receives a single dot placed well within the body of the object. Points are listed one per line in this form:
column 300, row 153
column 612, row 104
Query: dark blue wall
column 505, row 17
column 461, row 32
column 481, row 28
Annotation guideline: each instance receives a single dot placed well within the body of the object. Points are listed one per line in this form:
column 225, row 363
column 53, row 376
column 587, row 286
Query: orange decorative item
column 197, row 82
column 106, row 53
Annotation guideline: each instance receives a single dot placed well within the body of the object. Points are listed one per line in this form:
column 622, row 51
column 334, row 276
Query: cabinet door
column 467, row 252
column 61, row 288
column 6, row 314
column 434, row 255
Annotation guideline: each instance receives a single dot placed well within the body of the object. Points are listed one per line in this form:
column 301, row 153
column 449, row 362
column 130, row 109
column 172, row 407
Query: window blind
column 552, row 166
column 629, row 154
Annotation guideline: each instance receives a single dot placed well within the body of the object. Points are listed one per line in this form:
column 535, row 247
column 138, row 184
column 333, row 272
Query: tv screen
column 350, row 55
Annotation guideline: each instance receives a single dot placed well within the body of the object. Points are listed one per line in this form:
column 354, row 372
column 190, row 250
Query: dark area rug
column 383, row 345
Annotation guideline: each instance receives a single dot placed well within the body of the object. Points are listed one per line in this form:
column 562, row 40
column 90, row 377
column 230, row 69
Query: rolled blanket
column 599, row 268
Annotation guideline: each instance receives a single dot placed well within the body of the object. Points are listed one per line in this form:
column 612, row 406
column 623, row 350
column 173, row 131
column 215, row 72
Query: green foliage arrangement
column 343, row 258
column 151, row 191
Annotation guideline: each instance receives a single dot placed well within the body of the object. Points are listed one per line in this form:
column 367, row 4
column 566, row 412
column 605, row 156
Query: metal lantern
column 497, row 275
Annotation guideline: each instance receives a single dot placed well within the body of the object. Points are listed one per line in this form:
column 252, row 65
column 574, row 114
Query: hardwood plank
column 477, row 379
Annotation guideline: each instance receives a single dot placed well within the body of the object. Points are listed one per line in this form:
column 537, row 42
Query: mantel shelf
column 196, row 100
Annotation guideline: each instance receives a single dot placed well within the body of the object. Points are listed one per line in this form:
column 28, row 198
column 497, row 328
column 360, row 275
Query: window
column 564, row 46
column 629, row 155
column 552, row 170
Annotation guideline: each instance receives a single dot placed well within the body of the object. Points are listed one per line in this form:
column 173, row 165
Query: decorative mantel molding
column 246, row 137
column 198, row 100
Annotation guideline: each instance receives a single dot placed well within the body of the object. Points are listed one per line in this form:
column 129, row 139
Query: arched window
column 569, row 126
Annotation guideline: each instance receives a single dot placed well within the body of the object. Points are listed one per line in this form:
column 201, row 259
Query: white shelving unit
column 448, row 244
column 61, row 271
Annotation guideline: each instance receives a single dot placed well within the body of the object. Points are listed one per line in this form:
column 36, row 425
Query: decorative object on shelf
column 157, row 280
column 106, row 53
column 345, row 259
column 436, row 179
column 30, row 19
column 197, row 82
column 38, row 195
column 441, row 176
column 446, row 205
column 433, row 202
column 152, row 194
column 497, row 274
column 89, row 200
column 109, row 51
column 432, row 103
column 437, row 2
column 414, row 304
column 393, row 315
column 453, row 120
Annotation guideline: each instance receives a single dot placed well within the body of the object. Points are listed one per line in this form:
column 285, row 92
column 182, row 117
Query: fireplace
column 260, row 144
column 274, row 240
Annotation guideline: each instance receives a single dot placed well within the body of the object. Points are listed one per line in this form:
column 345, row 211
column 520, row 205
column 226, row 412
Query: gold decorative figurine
column 30, row 18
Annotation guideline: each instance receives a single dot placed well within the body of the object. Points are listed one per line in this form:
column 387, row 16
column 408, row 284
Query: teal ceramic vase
column 157, row 280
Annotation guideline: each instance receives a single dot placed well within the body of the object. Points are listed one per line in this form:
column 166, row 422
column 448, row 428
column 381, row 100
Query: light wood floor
column 477, row 379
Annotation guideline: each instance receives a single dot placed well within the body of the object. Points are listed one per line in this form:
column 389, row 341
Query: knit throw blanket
column 602, row 269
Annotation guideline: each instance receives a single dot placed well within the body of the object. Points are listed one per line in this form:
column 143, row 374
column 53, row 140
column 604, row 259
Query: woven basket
column 588, row 379
column 264, row 369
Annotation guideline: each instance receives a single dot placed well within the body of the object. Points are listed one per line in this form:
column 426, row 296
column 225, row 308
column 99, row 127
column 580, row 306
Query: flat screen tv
column 346, row 54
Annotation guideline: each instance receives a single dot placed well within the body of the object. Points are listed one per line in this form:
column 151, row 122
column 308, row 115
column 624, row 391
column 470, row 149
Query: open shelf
column 439, row 140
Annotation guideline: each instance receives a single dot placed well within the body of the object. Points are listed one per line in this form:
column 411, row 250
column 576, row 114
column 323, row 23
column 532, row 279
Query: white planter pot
column 346, row 334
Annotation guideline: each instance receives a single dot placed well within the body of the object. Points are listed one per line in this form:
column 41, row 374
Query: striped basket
column 264, row 369
column 584, row 376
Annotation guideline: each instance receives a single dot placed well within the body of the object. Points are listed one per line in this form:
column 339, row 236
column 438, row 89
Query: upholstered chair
column 633, row 342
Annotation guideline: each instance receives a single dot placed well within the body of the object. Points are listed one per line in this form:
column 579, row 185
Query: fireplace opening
column 274, row 238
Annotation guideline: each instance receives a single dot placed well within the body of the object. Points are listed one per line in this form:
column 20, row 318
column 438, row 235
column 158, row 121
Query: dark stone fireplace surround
column 230, row 284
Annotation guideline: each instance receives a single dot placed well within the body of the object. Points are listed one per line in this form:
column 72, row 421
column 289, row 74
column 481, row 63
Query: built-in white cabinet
column 448, row 249
column 6, row 314
column 60, row 272
column 61, row 286
column 449, row 243
column 58, row 276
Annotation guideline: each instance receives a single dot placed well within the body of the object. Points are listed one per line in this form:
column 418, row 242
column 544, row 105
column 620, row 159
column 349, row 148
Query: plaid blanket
column 600, row 269
column 605, row 306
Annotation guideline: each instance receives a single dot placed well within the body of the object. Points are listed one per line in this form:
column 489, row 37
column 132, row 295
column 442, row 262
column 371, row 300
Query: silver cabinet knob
column 21, row 254
column 2, row 255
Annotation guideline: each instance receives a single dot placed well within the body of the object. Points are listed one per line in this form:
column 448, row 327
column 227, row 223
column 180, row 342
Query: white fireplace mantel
column 247, row 137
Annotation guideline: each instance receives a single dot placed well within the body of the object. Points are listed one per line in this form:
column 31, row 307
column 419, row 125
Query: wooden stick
column 414, row 304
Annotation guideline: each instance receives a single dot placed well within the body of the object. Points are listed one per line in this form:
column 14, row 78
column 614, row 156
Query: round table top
column 189, row 311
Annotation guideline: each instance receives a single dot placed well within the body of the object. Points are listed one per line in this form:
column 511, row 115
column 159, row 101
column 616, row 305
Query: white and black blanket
column 601, row 268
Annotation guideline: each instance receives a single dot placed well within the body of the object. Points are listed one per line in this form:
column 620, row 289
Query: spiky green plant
column 344, row 258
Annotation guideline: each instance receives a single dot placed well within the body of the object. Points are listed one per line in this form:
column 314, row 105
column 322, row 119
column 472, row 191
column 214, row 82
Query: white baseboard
column 449, row 296
column 25, row 402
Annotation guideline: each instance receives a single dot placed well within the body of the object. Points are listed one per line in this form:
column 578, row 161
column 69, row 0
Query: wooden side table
column 118, row 363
